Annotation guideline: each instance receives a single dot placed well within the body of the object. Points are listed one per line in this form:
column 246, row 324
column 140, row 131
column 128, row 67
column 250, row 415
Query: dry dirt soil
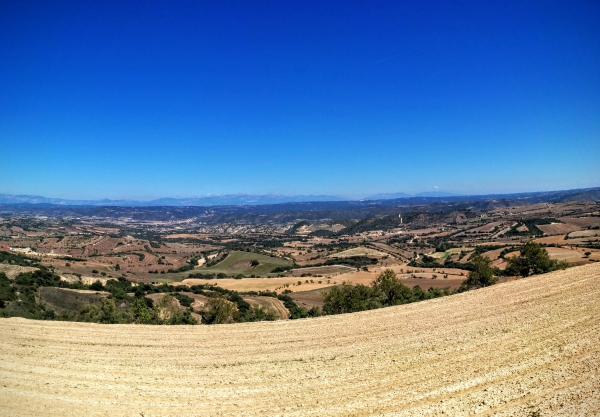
column 514, row 349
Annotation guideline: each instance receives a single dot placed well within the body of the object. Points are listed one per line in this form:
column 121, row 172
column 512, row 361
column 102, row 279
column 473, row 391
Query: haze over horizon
column 254, row 199
column 297, row 98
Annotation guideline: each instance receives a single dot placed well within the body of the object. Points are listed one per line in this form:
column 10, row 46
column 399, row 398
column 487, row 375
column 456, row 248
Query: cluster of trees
column 138, row 310
column 18, row 297
column 221, row 310
column 13, row 259
column 533, row 259
column 427, row 261
column 128, row 303
column 210, row 275
column 386, row 290
column 353, row 261
column 483, row 274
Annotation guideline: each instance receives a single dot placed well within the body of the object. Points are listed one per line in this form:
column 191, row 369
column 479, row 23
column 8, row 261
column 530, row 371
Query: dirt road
column 509, row 350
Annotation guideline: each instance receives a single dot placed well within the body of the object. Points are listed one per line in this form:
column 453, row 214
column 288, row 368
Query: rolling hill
column 239, row 262
column 523, row 348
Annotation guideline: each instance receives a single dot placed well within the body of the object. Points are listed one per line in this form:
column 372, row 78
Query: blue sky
column 141, row 100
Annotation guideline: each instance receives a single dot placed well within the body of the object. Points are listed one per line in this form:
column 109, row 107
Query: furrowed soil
column 512, row 349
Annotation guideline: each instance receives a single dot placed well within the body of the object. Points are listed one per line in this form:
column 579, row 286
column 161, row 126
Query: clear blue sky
column 148, row 99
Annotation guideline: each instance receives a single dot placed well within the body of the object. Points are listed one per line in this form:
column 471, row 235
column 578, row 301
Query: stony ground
column 515, row 349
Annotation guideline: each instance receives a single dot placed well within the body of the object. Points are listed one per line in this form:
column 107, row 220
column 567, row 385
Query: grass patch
column 247, row 263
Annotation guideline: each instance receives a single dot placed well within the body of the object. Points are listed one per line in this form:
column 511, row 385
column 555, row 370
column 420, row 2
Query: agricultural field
column 247, row 263
column 424, row 277
column 505, row 350
column 359, row 251
column 431, row 249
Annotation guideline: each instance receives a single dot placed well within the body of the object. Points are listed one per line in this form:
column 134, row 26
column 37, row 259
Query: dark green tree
column 351, row 298
column 392, row 291
column 482, row 275
column 533, row 259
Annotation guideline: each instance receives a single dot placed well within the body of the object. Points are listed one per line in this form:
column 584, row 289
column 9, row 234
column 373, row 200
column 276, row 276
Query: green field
column 238, row 262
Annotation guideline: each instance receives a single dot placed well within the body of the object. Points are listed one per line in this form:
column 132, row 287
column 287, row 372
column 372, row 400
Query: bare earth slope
column 507, row 350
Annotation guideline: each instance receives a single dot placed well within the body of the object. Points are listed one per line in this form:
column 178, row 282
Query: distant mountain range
column 587, row 194
column 218, row 200
column 394, row 196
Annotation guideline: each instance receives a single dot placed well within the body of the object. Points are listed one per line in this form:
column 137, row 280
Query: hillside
column 507, row 350
column 238, row 262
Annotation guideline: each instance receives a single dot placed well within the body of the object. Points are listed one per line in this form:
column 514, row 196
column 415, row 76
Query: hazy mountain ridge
column 584, row 194
column 218, row 200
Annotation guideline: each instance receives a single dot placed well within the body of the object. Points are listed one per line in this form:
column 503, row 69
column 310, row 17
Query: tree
column 142, row 313
column 386, row 290
column 7, row 292
column 97, row 286
column 107, row 312
column 257, row 313
column 351, row 298
column 39, row 278
column 219, row 310
column 393, row 292
column 533, row 259
column 482, row 275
